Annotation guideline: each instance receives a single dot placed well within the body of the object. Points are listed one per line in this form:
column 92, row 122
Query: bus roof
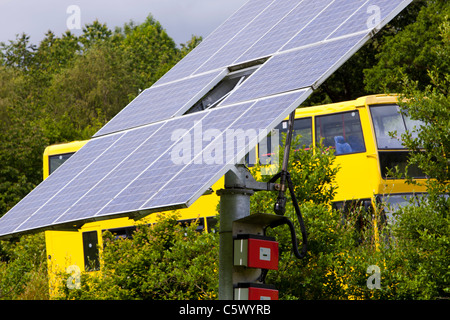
column 62, row 148
column 346, row 105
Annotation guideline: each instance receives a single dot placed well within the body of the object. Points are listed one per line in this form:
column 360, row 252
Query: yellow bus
column 366, row 136
column 358, row 131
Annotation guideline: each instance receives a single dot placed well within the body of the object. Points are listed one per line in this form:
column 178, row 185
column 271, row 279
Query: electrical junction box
column 255, row 251
column 255, row 291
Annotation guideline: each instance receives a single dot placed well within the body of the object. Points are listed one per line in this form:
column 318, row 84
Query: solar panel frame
column 323, row 24
column 281, row 73
column 393, row 7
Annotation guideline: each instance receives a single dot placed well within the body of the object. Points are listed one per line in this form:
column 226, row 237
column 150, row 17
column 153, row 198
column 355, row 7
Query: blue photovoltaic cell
column 73, row 190
column 30, row 206
column 249, row 35
column 215, row 40
column 168, row 164
column 162, row 102
column 203, row 170
column 285, row 29
column 138, row 169
column 137, row 148
column 295, row 69
column 325, row 23
column 152, row 143
column 367, row 16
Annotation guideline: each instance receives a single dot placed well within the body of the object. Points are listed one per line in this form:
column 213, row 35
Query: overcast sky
column 181, row 18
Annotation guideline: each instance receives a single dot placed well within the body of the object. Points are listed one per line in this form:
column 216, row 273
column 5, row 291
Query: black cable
column 285, row 220
column 300, row 221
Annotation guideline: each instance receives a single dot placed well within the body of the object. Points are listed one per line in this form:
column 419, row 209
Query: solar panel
column 152, row 156
column 137, row 170
column 216, row 40
column 283, row 73
column 164, row 101
column 284, row 30
column 236, row 46
column 259, row 29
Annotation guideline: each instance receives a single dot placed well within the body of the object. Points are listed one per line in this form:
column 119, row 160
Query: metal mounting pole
column 234, row 205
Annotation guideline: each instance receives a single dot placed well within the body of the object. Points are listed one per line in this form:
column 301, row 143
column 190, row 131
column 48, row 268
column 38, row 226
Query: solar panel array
column 152, row 156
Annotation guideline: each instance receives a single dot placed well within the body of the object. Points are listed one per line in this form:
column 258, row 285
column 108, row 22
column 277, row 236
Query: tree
column 87, row 100
column 150, row 50
column 423, row 228
column 18, row 54
column 23, row 269
column 410, row 52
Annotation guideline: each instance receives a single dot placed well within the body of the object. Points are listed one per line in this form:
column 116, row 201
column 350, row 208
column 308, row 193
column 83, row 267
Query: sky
column 180, row 18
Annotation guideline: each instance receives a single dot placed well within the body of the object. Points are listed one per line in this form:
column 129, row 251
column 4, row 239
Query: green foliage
column 313, row 179
column 150, row 50
column 423, row 238
column 68, row 87
column 23, row 269
column 161, row 262
column 411, row 52
column 431, row 106
column 423, row 231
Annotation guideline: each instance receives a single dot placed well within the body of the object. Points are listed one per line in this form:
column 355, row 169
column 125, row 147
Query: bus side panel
column 357, row 177
column 64, row 249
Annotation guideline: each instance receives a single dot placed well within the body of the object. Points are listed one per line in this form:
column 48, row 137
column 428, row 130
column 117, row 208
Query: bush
column 164, row 261
column 23, row 269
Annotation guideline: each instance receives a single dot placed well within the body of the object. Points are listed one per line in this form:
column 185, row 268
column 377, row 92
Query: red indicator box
column 255, row 291
column 254, row 251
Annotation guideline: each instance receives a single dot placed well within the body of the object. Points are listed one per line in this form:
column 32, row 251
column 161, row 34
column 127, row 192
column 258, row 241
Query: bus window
column 388, row 119
column 91, row 254
column 341, row 131
column 397, row 162
column 212, row 224
column 124, row 233
column 302, row 128
column 55, row 161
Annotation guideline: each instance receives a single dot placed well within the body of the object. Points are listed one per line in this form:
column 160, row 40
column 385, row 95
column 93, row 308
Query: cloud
column 181, row 18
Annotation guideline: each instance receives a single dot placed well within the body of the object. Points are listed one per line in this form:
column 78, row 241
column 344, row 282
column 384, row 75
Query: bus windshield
column 388, row 119
column 56, row 161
